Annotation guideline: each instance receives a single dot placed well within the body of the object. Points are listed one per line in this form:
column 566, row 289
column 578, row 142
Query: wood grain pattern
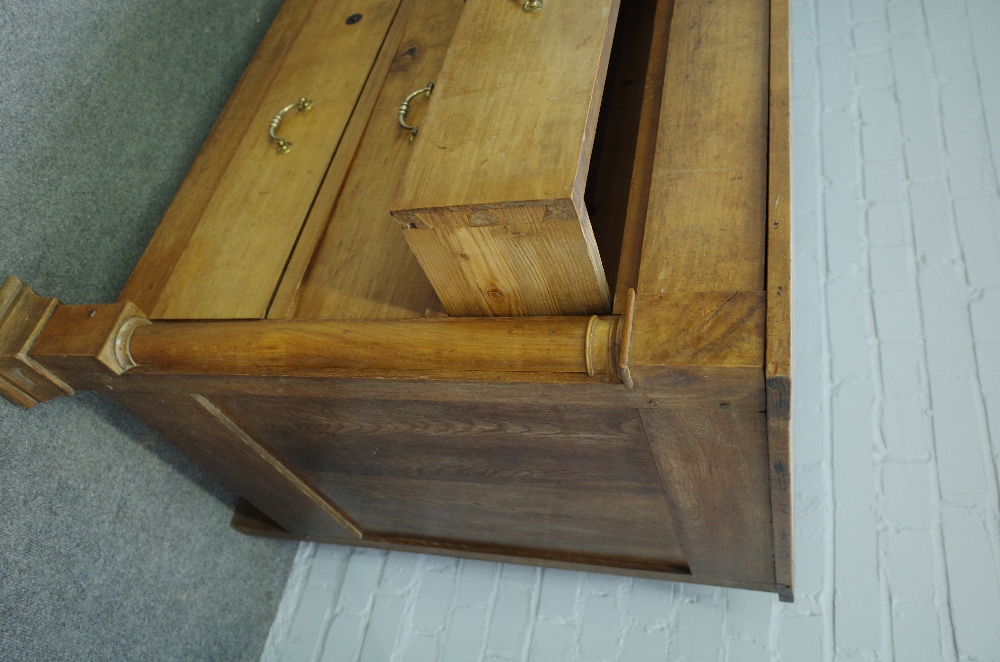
column 236, row 120
column 510, row 262
column 364, row 269
column 492, row 197
column 542, row 446
column 778, row 364
column 547, row 478
column 714, row 466
column 698, row 328
column 630, row 251
column 233, row 260
column 779, row 452
column 243, row 466
column 80, row 339
column 23, row 317
column 706, row 225
column 250, row 521
column 542, row 344
column 285, row 297
column 609, row 180
column 735, row 389
column 514, row 108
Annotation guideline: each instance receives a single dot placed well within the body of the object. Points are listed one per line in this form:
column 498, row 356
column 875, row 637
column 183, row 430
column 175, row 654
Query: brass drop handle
column 532, row 5
column 285, row 146
column 405, row 107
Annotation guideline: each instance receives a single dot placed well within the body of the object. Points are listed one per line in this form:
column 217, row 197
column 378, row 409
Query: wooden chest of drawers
column 551, row 328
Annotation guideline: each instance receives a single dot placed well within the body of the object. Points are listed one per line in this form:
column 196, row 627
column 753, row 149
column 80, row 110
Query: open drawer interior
column 308, row 234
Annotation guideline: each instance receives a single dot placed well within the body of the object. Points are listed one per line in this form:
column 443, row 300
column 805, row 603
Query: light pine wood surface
column 234, row 258
column 491, row 200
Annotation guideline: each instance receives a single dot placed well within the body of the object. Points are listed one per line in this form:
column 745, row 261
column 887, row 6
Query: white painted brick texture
column 896, row 143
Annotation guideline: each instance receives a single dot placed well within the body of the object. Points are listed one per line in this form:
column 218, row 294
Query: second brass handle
column 285, row 146
column 405, row 107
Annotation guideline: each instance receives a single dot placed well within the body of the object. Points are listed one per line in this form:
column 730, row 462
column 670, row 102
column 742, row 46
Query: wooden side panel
column 546, row 478
column 363, row 268
column 233, row 260
column 714, row 466
column 778, row 365
column 196, row 426
column 706, row 224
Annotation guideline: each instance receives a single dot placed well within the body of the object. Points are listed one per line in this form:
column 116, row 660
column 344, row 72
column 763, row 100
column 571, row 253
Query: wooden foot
column 23, row 315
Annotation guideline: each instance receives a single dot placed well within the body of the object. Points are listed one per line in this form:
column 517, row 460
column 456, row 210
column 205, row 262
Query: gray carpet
column 114, row 546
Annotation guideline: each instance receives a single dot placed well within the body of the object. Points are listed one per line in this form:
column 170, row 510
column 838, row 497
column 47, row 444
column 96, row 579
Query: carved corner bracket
column 23, row 316
column 45, row 346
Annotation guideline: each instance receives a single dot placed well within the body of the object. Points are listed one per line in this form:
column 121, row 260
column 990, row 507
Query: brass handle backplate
column 405, row 106
column 285, row 146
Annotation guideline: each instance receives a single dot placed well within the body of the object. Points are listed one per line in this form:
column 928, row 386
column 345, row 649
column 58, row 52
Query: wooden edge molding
column 428, row 346
column 625, row 340
column 23, row 316
column 248, row 520
column 778, row 363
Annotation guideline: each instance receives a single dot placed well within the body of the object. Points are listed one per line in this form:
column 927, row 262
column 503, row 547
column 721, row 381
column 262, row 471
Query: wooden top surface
column 513, row 110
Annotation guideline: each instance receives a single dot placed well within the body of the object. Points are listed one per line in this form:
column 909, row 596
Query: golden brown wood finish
column 552, row 344
column 492, row 197
column 236, row 121
column 202, row 431
column 645, row 154
column 283, row 304
column 566, row 480
column 363, row 269
column 778, row 368
column 23, row 315
column 714, row 466
column 706, row 225
column 233, row 260
column 84, row 339
column 698, row 328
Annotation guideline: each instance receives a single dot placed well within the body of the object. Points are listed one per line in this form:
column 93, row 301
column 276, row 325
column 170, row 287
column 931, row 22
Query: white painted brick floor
column 896, row 141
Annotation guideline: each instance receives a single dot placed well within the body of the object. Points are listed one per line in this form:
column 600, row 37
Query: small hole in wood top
column 91, row 314
column 353, row 18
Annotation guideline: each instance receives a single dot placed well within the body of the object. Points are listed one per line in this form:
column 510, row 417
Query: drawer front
column 223, row 245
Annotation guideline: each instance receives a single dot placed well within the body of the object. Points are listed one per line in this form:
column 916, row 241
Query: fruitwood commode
column 538, row 314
